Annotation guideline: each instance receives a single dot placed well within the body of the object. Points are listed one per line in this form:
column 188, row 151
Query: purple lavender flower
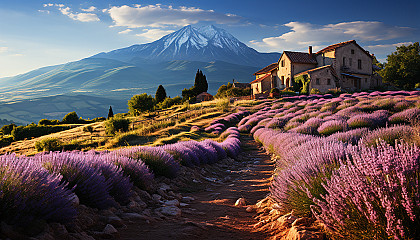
column 29, row 192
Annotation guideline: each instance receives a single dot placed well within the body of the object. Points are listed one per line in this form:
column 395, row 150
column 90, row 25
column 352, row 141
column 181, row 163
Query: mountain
column 118, row 75
column 203, row 44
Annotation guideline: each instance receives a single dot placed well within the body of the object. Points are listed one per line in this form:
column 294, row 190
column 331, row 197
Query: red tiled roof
column 319, row 68
column 337, row 45
column 261, row 78
column 204, row 94
column 267, row 69
column 300, row 57
column 334, row 46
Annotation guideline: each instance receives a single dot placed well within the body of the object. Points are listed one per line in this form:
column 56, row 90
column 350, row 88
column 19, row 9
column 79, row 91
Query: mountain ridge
column 207, row 43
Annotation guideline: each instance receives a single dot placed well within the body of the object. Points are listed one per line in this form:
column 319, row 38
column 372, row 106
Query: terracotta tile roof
column 261, row 78
column 300, row 57
column 337, row 45
column 204, row 94
column 334, row 46
column 267, row 69
column 317, row 69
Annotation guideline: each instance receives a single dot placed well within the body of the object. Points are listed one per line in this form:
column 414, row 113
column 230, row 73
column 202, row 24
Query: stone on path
column 240, row 202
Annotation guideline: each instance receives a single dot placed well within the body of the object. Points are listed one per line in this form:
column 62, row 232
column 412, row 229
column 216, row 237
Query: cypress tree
column 160, row 94
column 110, row 113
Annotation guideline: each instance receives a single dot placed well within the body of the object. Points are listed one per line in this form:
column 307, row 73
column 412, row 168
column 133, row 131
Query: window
column 352, row 51
column 317, row 81
column 328, row 81
column 282, row 63
column 365, row 80
column 282, row 80
column 344, row 61
column 350, row 61
column 359, row 64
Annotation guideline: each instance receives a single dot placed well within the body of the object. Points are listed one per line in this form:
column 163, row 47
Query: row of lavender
column 46, row 185
column 359, row 192
column 324, row 117
column 360, row 186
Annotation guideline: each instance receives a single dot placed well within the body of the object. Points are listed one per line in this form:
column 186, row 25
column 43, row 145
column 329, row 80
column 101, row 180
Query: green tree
column 403, row 66
column 160, row 94
column 140, row 103
column 110, row 113
column 70, row 117
column 200, row 83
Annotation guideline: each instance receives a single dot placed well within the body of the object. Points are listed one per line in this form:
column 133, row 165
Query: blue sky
column 36, row 33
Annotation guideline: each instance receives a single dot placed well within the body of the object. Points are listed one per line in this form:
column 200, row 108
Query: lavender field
column 351, row 161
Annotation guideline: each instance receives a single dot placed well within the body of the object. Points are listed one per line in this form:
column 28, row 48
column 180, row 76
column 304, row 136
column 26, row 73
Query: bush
column 116, row 124
column 169, row 102
column 29, row 192
column 141, row 103
column 274, row 90
column 48, row 122
column 223, row 104
column 5, row 141
column 315, row 91
column 71, row 118
column 7, row 129
column 48, row 144
column 33, row 130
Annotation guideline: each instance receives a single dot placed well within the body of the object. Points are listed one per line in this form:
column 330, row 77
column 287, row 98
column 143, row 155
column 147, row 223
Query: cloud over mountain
column 162, row 16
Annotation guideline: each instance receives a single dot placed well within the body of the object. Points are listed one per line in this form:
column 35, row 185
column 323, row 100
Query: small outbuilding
column 204, row 96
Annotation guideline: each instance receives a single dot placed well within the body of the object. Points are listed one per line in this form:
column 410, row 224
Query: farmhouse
column 344, row 65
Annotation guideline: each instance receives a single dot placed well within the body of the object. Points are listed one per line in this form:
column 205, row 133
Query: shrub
column 5, row 141
column 116, row 124
column 274, row 90
column 390, row 134
column 48, row 144
column 141, row 103
column 7, row 129
column 332, row 126
column 48, row 122
column 315, row 91
column 33, row 130
column 169, row 102
column 136, row 170
column 71, row 118
column 85, row 180
column 159, row 161
column 405, row 117
column 223, row 104
column 29, row 192
column 375, row 195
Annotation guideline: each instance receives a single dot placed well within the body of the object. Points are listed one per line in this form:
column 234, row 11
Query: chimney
column 310, row 51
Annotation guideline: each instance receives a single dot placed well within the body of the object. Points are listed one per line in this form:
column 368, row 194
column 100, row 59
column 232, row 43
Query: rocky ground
column 226, row 200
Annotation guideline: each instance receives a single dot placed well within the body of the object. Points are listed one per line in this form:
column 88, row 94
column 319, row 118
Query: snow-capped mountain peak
column 205, row 44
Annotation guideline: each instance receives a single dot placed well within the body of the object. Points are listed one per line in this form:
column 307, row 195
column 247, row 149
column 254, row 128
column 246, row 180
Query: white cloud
column 82, row 17
column 125, row 31
column 161, row 16
column 90, row 9
column 44, row 11
column 154, row 34
column 303, row 34
column 3, row 49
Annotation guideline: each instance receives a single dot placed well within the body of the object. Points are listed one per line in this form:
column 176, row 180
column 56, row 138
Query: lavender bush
column 84, row 179
column 375, row 195
column 29, row 192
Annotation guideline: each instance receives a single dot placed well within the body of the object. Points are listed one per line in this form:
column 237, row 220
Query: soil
column 213, row 214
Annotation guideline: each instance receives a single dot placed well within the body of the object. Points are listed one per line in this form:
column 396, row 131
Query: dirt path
column 212, row 215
